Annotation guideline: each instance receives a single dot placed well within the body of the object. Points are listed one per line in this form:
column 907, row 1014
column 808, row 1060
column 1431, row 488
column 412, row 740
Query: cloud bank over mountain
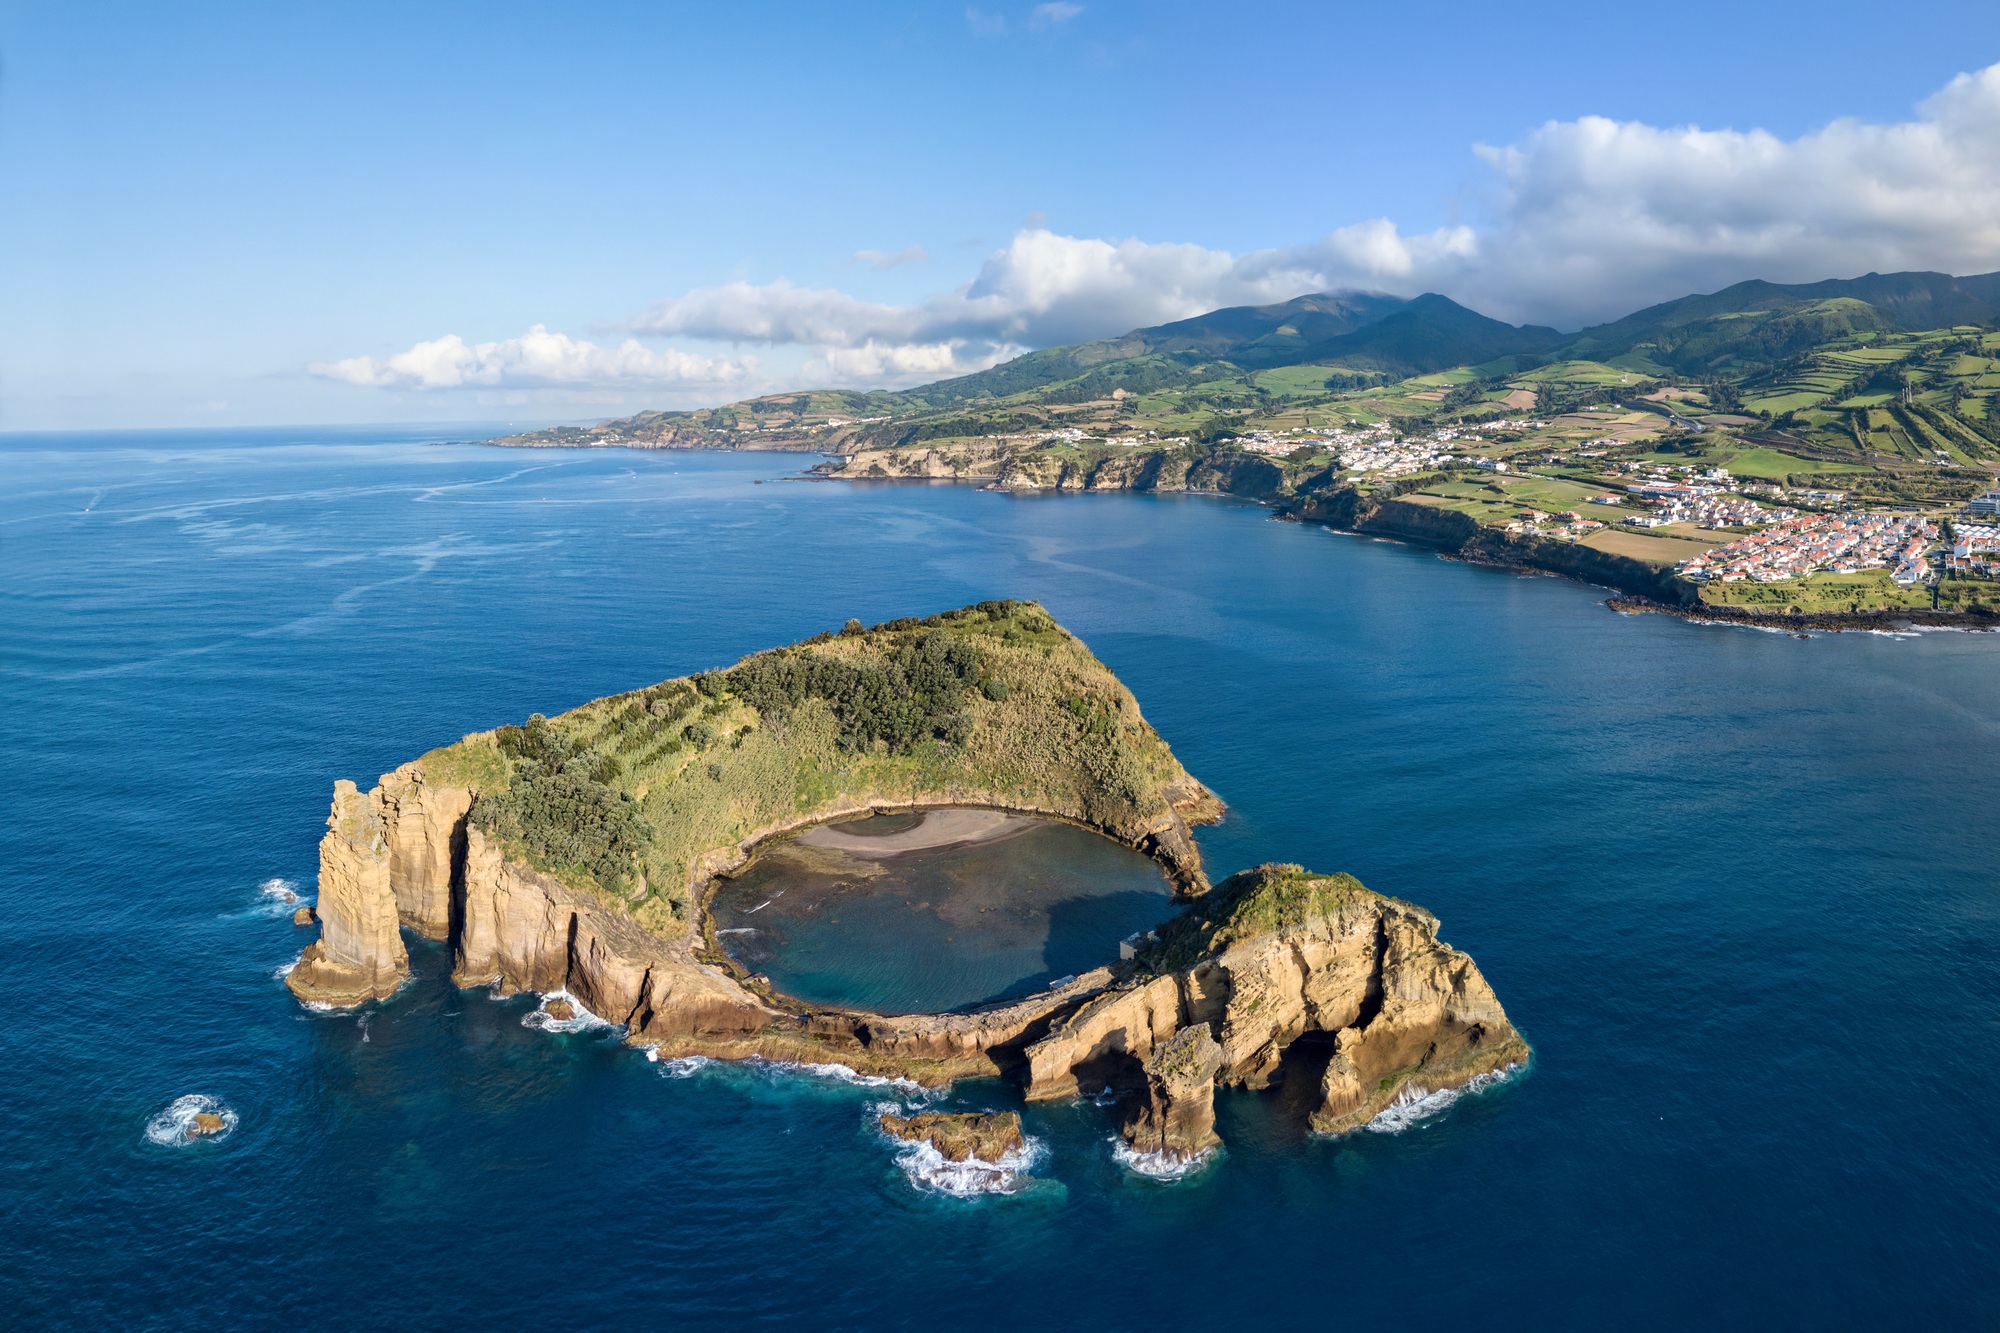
column 1580, row 221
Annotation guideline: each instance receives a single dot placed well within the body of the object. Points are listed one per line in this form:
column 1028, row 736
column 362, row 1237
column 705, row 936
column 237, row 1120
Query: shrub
column 561, row 807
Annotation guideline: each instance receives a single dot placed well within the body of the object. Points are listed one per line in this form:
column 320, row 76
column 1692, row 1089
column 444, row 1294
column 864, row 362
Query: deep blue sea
column 1739, row 889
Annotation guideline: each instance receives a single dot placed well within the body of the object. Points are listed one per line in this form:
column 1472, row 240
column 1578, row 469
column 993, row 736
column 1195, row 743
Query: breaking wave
column 1161, row 1166
column 582, row 1020
column 928, row 1169
column 286, row 970
column 839, row 1073
column 1412, row 1105
column 170, row 1128
column 280, row 891
column 932, row 1172
column 680, row 1066
column 276, row 897
column 686, row 1066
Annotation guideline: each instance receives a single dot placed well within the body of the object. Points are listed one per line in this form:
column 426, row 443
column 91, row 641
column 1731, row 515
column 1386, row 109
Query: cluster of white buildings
column 1841, row 543
column 1716, row 511
column 1378, row 449
column 1973, row 548
column 1363, row 449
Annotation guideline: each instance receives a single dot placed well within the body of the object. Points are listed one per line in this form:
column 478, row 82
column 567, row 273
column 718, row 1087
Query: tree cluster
column 913, row 694
column 561, row 806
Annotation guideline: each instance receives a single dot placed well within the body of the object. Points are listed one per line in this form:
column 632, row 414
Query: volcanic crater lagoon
column 934, row 910
column 1738, row 889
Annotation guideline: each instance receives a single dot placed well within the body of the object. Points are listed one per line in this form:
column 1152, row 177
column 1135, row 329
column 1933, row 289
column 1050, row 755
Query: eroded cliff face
column 359, row 954
column 1174, row 1117
column 1266, row 958
column 425, row 830
column 524, row 930
column 1405, row 1010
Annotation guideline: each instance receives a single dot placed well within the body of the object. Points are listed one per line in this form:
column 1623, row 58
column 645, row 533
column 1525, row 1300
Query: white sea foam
column 542, row 1020
column 928, row 1169
column 1162, row 1166
column 276, row 897
column 1413, row 1105
column 931, row 1171
column 686, row 1066
column 286, row 970
column 843, row 1074
column 170, row 1128
column 738, row 930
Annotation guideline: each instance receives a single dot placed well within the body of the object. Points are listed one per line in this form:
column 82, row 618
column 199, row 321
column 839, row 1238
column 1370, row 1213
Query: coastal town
column 1765, row 533
column 1807, row 543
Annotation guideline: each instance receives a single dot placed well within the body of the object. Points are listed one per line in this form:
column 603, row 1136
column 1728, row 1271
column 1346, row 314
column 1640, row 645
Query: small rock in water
column 204, row 1124
column 560, row 1009
column 305, row 916
column 982, row 1135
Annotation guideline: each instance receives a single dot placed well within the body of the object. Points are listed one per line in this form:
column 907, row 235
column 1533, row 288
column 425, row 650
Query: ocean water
column 1739, row 889
column 942, row 927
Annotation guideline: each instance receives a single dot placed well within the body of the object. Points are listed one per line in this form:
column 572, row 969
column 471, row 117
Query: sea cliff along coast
column 1822, row 455
column 576, row 854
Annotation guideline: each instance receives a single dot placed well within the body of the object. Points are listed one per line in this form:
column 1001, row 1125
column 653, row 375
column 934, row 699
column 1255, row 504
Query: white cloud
column 887, row 259
column 778, row 312
column 1597, row 216
column 874, row 361
column 1583, row 220
column 536, row 359
column 984, row 24
column 1051, row 14
column 1045, row 288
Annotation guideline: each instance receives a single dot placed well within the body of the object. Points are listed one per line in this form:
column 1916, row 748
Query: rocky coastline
column 1896, row 620
column 1251, row 965
column 1368, row 969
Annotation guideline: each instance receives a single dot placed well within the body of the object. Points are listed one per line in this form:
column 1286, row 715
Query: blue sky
column 238, row 214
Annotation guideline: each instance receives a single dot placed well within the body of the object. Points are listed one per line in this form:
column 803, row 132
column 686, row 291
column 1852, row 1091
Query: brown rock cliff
column 1280, row 954
column 359, row 954
column 1176, row 1116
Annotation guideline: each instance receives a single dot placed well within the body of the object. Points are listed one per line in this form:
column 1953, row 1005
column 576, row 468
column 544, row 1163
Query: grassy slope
column 1810, row 387
column 1067, row 736
column 1247, row 904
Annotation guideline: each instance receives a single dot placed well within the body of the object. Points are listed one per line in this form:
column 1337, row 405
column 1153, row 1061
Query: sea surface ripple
column 1738, row 889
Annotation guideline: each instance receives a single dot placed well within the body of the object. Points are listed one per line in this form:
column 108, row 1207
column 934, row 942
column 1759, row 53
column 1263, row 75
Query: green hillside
column 1885, row 384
